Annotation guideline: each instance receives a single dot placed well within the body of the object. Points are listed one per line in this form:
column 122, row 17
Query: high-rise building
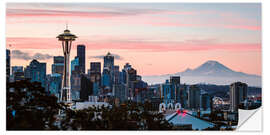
column 132, row 74
column 106, row 80
column 36, row 71
column 167, row 93
column 128, row 76
column 95, row 74
column 194, row 97
column 131, row 79
column 119, row 92
column 238, row 93
column 81, row 56
column 95, row 67
column 205, row 100
column 7, row 65
column 127, row 66
column 184, row 95
column 18, row 76
column 74, row 63
column 58, row 59
column 75, row 81
column 86, row 88
column 123, row 77
column 58, row 65
column 140, row 90
column 54, row 84
column 17, row 73
column 109, row 61
column 175, row 80
column 116, row 75
column 27, row 72
column 16, row 69
column 107, row 75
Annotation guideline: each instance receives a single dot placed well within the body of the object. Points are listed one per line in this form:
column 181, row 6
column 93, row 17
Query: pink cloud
column 56, row 16
column 140, row 45
column 244, row 27
column 58, row 13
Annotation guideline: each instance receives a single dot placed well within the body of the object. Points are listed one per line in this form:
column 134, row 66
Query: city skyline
column 147, row 35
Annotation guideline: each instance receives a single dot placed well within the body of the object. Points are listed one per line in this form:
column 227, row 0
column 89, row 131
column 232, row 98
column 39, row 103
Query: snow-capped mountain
column 211, row 72
column 212, row 68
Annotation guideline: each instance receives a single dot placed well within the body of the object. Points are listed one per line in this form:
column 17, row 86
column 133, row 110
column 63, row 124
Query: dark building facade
column 58, row 65
column 194, row 97
column 95, row 72
column 184, row 96
column 238, row 93
column 75, row 79
column 175, row 83
column 116, row 75
column 17, row 73
column 95, row 67
column 81, row 56
column 205, row 100
column 86, row 88
column 58, row 59
column 36, row 72
column 109, row 61
column 175, row 80
column 54, row 82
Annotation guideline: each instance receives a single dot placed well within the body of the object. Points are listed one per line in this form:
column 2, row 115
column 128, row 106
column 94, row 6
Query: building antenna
column 66, row 25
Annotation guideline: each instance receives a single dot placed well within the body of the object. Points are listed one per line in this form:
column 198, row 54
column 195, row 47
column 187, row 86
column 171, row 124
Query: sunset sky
column 154, row 38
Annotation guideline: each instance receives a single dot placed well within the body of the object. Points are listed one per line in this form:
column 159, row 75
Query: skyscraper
column 16, row 69
column 81, row 56
column 17, row 73
column 37, row 72
column 167, row 92
column 58, row 59
column 109, row 61
column 75, row 82
column 205, row 100
column 184, row 95
column 95, row 72
column 175, row 80
column 7, row 65
column 86, row 88
column 74, row 63
column 106, row 80
column 131, row 78
column 194, row 97
column 95, row 67
column 54, row 84
column 58, row 65
column 238, row 93
column 75, row 79
column 116, row 75
column 66, row 38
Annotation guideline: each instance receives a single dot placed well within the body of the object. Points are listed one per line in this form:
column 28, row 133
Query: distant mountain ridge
column 212, row 68
column 211, row 72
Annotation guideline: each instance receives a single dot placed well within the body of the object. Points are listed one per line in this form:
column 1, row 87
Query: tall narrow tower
column 66, row 39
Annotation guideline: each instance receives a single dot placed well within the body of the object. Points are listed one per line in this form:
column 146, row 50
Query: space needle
column 66, row 38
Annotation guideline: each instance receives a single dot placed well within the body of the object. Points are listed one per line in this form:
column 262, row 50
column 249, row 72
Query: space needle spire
column 66, row 38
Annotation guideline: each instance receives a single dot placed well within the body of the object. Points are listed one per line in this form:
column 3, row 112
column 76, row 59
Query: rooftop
column 186, row 119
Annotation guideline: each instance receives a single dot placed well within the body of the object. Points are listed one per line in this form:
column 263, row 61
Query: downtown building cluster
column 110, row 84
column 105, row 85
column 114, row 86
